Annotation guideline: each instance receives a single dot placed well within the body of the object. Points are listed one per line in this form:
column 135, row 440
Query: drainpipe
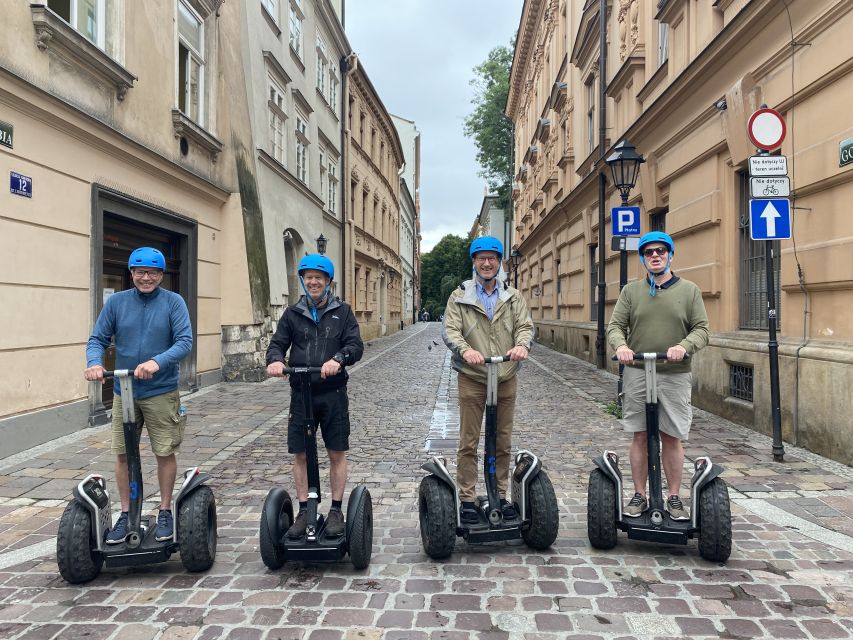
column 344, row 66
column 600, row 347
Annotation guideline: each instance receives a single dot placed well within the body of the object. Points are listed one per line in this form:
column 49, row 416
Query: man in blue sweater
column 152, row 332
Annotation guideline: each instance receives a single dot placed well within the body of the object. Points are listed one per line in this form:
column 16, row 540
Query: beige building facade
column 682, row 78
column 374, row 158
column 121, row 144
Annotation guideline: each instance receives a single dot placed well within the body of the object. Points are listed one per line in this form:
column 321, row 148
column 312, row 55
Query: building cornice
column 531, row 15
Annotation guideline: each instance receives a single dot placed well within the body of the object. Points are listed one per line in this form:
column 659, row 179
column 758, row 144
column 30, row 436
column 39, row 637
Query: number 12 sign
column 20, row 185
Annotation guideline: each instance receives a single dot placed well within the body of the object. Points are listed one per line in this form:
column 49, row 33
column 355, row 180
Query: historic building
column 374, row 157
column 410, row 216
column 113, row 143
column 493, row 221
column 681, row 80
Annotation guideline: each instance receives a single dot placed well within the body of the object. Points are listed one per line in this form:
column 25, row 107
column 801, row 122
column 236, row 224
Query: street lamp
column 624, row 165
column 322, row 241
column 515, row 259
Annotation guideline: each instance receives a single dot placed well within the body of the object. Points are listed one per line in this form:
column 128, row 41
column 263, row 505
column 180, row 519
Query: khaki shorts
column 675, row 413
column 162, row 418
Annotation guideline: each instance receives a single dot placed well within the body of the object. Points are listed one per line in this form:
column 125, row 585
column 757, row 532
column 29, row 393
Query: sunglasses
column 655, row 251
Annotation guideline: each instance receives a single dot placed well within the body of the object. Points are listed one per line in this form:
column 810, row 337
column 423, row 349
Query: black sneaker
column 508, row 510
column 335, row 524
column 119, row 532
column 676, row 508
column 297, row 529
column 165, row 526
column 468, row 513
column 636, row 506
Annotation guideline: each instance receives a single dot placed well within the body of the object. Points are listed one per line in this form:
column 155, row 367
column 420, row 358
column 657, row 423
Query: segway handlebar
column 118, row 373
column 289, row 371
column 497, row 359
column 651, row 356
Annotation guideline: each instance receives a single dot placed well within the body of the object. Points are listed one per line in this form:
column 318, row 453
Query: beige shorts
column 675, row 413
column 162, row 418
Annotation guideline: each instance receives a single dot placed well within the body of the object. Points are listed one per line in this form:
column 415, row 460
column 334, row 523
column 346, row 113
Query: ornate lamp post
column 322, row 241
column 515, row 260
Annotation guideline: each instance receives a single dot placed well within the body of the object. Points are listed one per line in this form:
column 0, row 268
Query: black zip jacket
column 313, row 343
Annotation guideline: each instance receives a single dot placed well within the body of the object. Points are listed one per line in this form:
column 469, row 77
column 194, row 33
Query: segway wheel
column 273, row 552
column 75, row 554
column 197, row 529
column 601, row 511
column 715, row 522
column 437, row 513
column 360, row 540
column 544, row 514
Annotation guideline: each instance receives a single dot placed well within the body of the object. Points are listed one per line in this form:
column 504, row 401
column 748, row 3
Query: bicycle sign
column 776, row 187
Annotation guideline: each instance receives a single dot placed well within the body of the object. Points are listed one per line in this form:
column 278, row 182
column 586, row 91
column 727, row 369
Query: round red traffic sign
column 766, row 129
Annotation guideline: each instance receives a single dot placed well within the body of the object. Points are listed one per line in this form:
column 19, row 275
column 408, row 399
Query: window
column 593, row 281
column 753, row 269
column 361, row 129
column 272, row 8
column 87, row 17
column 590, row 115
column 657, row 220
column 301, row 147
column 332, row 199
column 322, row 66
column 296, row 28
column 190, row 63
column 740, row 381
column 333, row 87
column 278, row 116
column 322, row 172
column 663, row 44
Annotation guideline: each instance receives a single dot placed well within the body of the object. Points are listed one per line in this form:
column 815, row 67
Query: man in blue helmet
column 321, row 331
column 661, row 313
column 484, row 317
column 152, row 332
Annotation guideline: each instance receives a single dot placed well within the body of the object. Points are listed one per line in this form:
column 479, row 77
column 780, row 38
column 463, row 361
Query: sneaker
column 676, row 508
column 297, row 529
column 636, row 506
column 468, row 513
column 165, row 526
column 508, row 510
column 335, row 524
column 119, row 532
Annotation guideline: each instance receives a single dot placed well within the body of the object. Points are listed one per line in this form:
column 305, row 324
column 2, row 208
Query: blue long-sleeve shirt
column 147, row 326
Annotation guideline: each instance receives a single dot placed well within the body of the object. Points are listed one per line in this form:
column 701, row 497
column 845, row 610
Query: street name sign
column 845, row 152
column 771, row 187
column 20, row 185
column 770, row 219
column 625, row 220
column 6, row 132
column 766, row 129
column 768, row 165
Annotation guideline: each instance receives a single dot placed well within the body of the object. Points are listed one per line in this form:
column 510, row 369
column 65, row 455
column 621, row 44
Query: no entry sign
column 766, row 129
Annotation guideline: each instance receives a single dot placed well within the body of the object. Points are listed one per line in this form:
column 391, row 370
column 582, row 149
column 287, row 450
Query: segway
column 315, row 545
column 533, row 496
column 710, row 513
column 80, row 548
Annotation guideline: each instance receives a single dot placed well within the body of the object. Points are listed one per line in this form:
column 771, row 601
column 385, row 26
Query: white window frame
column 100, row 21
column 271, row 7
column 198, row 56
column 663, row 42
column 277, row 104
column 322, row 151
column 334, row 83
column 332, row 197
column 590, row 114
column 322, row 67
column 295, row 30
column 301, row 144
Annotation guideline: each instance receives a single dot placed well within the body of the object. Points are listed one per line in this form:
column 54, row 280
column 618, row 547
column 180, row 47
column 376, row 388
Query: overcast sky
column 420, row 56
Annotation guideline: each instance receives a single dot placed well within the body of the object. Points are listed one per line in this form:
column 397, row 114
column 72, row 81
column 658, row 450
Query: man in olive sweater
column 664, row 314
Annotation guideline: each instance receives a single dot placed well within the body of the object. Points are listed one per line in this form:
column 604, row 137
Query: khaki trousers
column 472, row 406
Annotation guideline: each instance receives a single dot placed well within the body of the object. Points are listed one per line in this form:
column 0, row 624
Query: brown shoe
column 297, row 529
column 335, row 524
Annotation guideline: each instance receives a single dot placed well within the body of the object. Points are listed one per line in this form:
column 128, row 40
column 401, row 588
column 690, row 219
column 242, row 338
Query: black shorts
column 331, row 412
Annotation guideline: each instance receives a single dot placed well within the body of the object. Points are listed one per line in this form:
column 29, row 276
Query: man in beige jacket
column 485, row 318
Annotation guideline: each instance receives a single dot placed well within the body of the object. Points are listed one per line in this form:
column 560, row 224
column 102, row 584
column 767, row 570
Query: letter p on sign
column 626, row 221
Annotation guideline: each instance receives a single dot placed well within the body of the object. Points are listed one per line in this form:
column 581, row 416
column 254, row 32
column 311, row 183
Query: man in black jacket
column 321, row 331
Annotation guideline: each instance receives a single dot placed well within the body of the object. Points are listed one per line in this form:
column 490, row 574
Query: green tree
column 443, row 269
column 490, row 129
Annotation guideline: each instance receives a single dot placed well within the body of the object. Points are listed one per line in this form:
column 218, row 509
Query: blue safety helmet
column 317, row 262
column 147, row 257
column 649, row 238
column 487, row 243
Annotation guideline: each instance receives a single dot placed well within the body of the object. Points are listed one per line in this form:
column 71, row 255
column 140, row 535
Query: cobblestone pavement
column 790, row 574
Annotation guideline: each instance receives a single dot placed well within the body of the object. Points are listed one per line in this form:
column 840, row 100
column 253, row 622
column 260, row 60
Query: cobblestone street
column 790, row 574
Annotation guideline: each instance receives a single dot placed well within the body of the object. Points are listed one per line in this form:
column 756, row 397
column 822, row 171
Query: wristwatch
column 341, row 360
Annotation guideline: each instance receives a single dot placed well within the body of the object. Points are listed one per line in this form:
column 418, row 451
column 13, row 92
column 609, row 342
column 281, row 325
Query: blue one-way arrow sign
column 769, row 219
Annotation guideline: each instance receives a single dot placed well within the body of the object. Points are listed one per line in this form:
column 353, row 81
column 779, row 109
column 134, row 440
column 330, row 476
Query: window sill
column 52, row 32
column 271, row 21
column 191, row 131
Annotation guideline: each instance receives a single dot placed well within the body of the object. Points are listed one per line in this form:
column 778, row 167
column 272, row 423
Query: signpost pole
column 773, row 348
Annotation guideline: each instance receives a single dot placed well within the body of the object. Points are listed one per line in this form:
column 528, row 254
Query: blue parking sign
column 770, row 219
column 625, row 220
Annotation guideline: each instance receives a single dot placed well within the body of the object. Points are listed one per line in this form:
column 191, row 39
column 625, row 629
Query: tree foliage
column 487, row 125
column 442, row 270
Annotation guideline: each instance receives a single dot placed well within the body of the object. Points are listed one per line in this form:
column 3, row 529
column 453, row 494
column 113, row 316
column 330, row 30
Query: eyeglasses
column 487, row 259
column 652, row 251
column 150, row 273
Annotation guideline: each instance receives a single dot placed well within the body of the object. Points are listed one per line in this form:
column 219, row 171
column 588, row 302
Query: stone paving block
column 783, row 629
column 825, row 629
column 553, row 622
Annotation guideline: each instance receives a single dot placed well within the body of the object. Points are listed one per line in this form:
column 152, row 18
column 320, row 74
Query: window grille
column 740, row 382
column 657, row 220
column 593, row 282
